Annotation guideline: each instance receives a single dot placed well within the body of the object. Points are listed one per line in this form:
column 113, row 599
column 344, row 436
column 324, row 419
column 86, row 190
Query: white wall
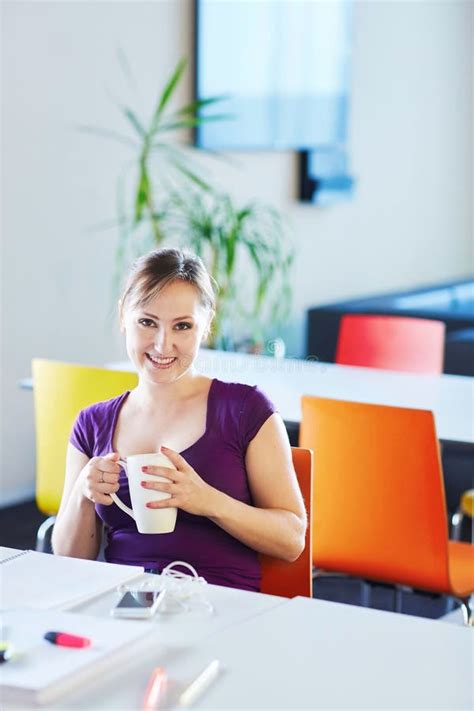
column 410, row 222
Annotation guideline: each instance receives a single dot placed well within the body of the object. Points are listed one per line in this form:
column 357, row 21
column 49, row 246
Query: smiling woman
column 233, row 484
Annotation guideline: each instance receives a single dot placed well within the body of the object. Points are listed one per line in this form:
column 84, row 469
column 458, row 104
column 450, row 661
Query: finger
column 163, row 504
column 104, row 500
column 175, row 458
column 107, row 488
column 113, row 456
column 107, row 465
column 172, row 474
column 160, row 486
column 97, row 498
column 108, row 478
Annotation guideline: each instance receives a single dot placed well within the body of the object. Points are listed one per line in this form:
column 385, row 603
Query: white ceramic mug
column 147, row 520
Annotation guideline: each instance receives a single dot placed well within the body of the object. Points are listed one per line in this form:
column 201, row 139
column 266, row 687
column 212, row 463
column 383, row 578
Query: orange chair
column 400, row 343
column 379, row 509
column 292, row 579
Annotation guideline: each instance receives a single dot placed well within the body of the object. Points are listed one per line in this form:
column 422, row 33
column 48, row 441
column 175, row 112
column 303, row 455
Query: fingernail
column 163, row 447
column 149, row 506
column 143, row 483
column 144, row 469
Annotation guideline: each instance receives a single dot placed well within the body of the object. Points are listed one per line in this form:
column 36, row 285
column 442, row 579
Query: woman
column 234, row 485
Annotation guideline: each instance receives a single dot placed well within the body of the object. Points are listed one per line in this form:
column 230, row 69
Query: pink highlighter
column 155, row 689
column 64, row 639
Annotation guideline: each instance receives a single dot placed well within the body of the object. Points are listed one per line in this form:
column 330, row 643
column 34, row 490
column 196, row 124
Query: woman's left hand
column 188, row 491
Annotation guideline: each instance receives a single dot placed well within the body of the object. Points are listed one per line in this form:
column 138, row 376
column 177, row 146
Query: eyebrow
column 179, row 318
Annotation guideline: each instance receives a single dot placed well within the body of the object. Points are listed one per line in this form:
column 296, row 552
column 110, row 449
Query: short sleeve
column 256, row 410
column 82, row 433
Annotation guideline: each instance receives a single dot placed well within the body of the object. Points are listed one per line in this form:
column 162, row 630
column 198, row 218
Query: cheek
column 191, row 340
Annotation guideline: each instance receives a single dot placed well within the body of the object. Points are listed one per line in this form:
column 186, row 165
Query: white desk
column 179, row 635
column 450, row 397
column 304, row 654
column 311, row 654
column 181, row 629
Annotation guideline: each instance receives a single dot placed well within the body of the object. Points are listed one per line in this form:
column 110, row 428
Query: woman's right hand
column 100, row 478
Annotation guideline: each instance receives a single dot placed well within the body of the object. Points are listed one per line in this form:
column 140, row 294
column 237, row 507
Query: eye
column 146, row 322
column 183, row 326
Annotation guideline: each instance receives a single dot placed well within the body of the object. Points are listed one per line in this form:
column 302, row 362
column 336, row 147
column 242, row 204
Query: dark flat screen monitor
column 283, row 66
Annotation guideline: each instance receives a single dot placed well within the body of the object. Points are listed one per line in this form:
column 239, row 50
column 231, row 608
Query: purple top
column 235, row 414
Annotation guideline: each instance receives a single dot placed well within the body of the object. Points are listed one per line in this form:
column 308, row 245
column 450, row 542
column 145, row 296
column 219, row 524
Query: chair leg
column 365, row 593
column 397, row 599
column 466, row 611
column 43, row 537
column 456, row 525
column 450, row 604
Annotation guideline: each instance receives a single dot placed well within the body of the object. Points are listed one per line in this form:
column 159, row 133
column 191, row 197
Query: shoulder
column 241, row 395
column 246, row 406
column 93, row 424
column 103, row 410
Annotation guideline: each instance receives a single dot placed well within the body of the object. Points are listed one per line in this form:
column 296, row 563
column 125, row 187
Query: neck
column 148, row 393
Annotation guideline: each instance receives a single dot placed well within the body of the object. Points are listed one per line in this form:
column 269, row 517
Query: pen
column 63, row 639
column 200, row 684
column 155, row 689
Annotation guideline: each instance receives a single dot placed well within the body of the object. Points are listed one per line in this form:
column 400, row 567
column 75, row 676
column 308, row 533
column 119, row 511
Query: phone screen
column 138, row 600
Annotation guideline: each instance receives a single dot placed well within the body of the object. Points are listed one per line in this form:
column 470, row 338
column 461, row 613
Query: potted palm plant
column 247, row 254
column 171, row 201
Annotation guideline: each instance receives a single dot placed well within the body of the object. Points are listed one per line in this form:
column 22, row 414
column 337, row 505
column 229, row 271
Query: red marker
column 63, row 639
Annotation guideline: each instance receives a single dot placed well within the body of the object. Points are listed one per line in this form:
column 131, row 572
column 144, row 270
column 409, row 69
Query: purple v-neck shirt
column 235, row 414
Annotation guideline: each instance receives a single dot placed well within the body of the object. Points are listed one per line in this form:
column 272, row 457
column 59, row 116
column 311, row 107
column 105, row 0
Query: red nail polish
column 144, row 469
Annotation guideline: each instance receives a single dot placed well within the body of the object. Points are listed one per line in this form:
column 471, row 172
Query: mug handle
column 116, row 499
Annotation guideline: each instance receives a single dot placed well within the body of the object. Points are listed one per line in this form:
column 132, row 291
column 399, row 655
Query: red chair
column 400, row 343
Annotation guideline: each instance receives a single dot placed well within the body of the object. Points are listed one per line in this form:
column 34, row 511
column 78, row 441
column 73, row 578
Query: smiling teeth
column 160, row 361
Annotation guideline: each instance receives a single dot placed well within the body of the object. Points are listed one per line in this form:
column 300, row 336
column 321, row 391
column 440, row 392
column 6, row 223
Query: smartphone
column 138, row 604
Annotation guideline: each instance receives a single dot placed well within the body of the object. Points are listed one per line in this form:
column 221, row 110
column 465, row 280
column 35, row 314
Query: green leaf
column 194, row 106
column 143, row 193
column 131, row 116
column 106, row 133
column 167, row 93
column 126, row 68
column 194, row 121
column 190, row 175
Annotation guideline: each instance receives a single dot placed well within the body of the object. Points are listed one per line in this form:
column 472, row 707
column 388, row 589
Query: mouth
column 160, row 363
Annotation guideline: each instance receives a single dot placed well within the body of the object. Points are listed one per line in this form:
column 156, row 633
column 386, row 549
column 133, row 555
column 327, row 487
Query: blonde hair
column 151, row 273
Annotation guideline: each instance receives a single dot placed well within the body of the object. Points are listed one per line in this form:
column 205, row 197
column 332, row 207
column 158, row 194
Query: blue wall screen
column 284, row 66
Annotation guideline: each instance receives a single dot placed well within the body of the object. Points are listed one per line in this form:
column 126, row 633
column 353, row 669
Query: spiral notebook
column 40, row 672
column 44, row 581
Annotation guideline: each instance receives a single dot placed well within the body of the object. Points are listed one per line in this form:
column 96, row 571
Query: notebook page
column 44, row 671
column 43, row 581
column 7, row 553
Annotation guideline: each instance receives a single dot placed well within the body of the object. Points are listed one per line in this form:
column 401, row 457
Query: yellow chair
column 292, row 579
column 61, row 390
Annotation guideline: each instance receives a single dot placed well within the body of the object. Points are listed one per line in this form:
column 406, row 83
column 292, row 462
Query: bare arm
column 77, row 531
column 276, row 524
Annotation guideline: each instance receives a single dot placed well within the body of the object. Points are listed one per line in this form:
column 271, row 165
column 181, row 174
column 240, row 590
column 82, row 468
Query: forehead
column 177, row 299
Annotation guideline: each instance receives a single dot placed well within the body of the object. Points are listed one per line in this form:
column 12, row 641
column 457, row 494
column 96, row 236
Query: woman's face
column 163, row 337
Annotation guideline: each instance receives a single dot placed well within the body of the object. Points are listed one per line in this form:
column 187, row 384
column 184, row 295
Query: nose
column 163, row 342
